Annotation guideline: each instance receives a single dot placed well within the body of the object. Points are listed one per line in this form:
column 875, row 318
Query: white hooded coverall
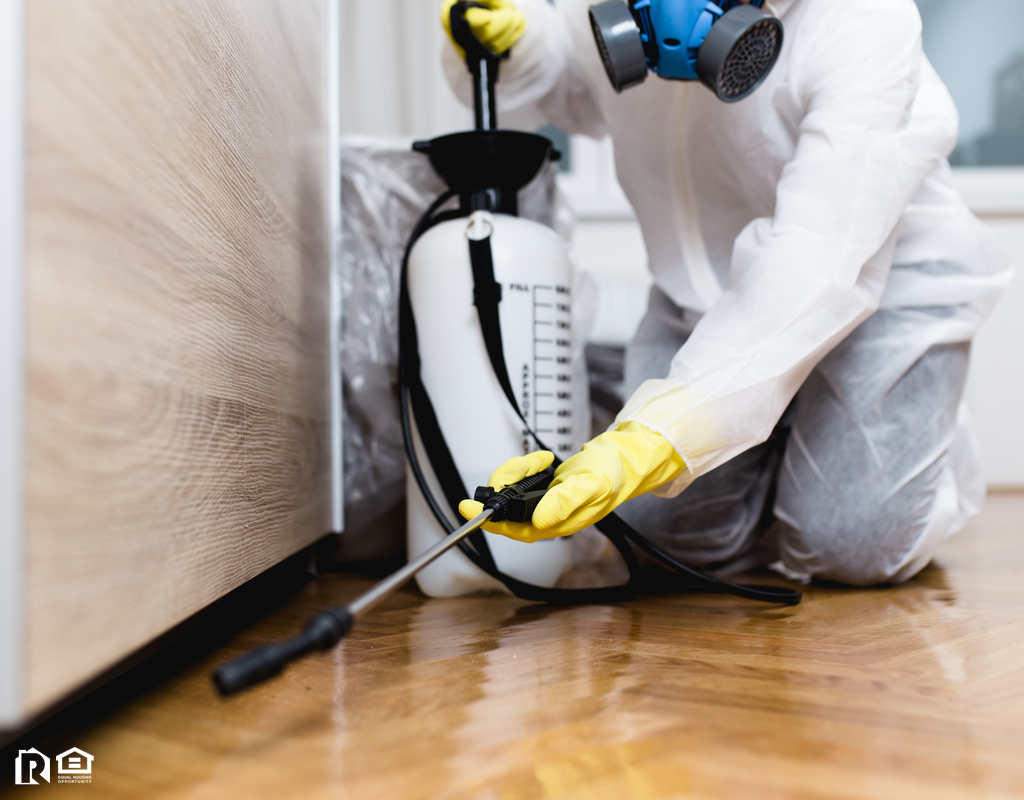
column 806, row 236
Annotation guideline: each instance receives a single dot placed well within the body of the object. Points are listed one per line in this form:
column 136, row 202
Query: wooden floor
column 915, row 691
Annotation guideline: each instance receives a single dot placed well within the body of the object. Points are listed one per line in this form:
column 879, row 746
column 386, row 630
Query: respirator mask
column 728, row 47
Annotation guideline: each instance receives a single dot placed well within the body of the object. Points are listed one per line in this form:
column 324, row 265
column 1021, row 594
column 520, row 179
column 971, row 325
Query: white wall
column 391, row 78
column 995, row 390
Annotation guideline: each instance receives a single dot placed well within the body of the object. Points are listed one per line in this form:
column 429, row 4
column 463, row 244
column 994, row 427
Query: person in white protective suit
column 818, row 280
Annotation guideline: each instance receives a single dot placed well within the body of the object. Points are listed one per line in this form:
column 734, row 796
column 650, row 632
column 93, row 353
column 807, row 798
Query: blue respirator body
column 728, row 46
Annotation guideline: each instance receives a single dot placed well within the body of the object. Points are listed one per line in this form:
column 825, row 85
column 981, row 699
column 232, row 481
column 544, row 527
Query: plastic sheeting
column 385, row 188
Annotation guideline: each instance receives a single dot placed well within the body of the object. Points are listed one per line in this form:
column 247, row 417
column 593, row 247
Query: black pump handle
column 482, row 63
column 463, row 34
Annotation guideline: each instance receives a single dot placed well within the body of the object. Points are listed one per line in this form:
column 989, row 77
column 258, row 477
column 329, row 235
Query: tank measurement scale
column 546, row 383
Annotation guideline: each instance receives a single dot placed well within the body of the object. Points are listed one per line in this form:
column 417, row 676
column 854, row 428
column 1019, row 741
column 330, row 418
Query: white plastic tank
column 479, row 424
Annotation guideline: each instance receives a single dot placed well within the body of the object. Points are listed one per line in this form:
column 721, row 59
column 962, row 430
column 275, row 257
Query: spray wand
column 514, row 503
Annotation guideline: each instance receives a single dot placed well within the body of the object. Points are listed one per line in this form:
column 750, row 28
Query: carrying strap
column 414, row 398
column 486, row 298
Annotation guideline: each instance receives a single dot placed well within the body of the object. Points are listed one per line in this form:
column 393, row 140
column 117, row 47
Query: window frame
column 593, row 192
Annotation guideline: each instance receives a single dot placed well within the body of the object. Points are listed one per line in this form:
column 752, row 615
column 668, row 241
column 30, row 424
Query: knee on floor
column 868, row 543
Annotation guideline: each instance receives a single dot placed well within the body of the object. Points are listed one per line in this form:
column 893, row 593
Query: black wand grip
column 516, row 502
column 323, row 631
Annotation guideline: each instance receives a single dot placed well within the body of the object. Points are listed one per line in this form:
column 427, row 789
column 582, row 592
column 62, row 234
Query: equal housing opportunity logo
column 73, row 766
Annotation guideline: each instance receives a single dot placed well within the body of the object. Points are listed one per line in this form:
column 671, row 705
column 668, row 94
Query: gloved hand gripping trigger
column 517, row 501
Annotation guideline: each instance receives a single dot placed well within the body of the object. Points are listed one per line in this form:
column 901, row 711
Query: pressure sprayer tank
column 481, row 427
column 478, row 422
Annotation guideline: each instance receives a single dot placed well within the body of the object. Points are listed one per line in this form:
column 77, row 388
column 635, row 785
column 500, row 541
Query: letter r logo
column 29, row 764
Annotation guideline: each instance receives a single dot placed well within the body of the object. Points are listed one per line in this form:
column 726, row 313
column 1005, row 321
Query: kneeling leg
column 868, row 489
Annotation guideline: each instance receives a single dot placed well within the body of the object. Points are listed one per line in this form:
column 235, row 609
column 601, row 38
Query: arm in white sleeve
column 801, row 281
column 541, row 82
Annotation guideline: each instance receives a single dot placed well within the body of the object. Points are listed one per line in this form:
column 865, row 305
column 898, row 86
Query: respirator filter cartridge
column 618, row 41
column 730, row 52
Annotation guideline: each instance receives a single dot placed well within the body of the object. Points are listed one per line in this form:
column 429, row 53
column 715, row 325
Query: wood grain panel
column 177, row 269
column 915, row 691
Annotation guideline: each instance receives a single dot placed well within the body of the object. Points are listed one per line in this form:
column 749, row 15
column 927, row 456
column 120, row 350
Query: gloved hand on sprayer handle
column 612, row 468
column 496, row 24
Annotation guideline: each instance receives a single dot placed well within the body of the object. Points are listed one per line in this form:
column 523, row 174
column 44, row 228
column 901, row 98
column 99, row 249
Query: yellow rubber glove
column 496, row 27
column 611, row 469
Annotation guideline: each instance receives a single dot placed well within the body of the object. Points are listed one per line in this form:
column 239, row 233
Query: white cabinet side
column 12, row 148
column 333, row 87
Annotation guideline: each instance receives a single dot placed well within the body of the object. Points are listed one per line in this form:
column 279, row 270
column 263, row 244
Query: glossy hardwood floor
column 907, row 692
